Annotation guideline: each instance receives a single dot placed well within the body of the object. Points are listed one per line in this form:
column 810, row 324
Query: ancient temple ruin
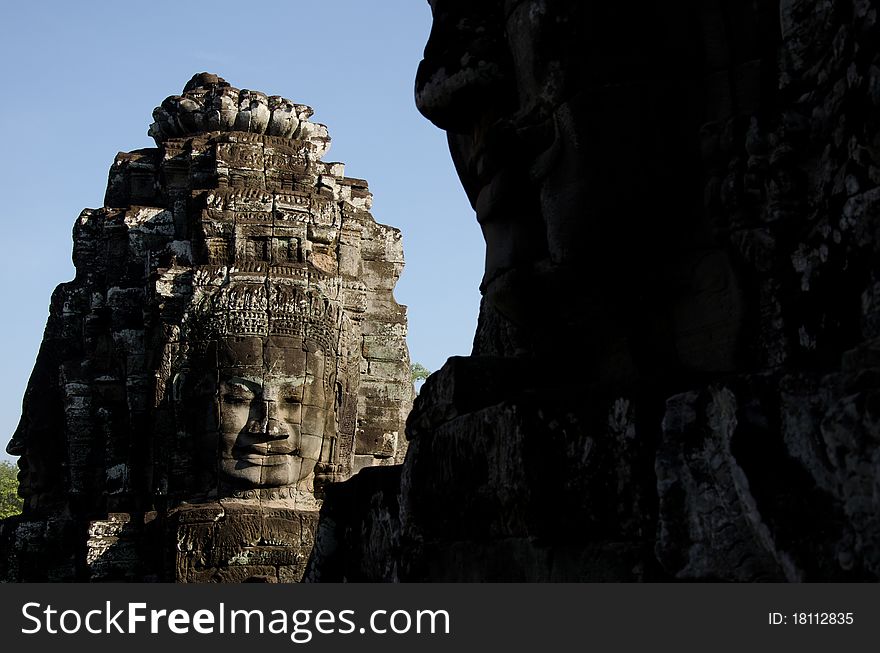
column 676, row 370
column 229, row 347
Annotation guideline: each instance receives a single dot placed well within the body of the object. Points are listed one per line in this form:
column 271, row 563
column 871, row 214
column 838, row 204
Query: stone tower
column 229, row 346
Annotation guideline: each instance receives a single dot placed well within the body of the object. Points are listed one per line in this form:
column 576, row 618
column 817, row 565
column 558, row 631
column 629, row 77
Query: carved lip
column 263, row 449
column 263, row 461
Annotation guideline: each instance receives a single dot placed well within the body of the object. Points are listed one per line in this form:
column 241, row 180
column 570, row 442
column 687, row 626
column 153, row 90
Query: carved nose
column 275, row 429
column 266, row 424
column 16, row 444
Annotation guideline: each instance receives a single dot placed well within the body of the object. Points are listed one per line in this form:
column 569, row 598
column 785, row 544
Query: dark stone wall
column 675, row 373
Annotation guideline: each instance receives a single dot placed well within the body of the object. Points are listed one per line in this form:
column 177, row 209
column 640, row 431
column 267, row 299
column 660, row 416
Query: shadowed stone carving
column 674, row 374
column 229, row 347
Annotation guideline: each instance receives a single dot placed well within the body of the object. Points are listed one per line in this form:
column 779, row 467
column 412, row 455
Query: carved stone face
column 546, row 108
column 492, row 105
column 461, row 84
column 276, row 411
column 38, row 441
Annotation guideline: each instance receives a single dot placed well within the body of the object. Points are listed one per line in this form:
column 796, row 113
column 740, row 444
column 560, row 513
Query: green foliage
column 10, row 502
column 419, row 372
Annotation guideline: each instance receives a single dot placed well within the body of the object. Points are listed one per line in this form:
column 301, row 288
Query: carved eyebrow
column 244, row 384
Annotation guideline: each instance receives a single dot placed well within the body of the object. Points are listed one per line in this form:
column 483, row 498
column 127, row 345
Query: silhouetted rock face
column 230, row 345
column 676, row 372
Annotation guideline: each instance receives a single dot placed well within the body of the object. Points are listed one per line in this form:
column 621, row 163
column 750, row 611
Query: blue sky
column 82, row 78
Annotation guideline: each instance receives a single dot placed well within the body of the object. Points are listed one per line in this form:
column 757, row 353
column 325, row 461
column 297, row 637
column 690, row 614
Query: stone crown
column 210, row 104
column 275, row 309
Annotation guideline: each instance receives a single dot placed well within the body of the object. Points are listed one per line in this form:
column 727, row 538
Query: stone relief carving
column 229, row 347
